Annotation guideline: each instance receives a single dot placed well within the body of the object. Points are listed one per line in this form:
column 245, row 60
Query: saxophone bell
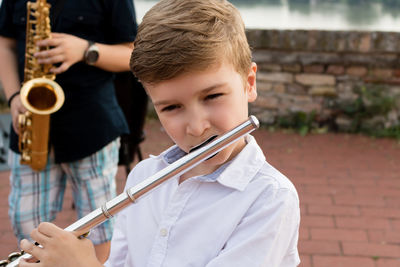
column 42, row 96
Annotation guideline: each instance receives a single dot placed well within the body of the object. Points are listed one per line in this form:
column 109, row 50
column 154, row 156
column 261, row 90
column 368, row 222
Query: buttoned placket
column 169, row 218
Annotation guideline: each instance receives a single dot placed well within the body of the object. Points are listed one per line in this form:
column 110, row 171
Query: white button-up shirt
column 244, row 214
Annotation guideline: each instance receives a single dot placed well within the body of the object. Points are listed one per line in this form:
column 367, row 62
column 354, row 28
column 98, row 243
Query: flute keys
column 12, row 257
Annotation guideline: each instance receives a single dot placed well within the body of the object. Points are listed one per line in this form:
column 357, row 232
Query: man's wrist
column 9, row 101
column 91, row 53
column 85, row 51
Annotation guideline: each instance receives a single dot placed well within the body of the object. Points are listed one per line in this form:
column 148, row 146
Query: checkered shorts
column 37, row 197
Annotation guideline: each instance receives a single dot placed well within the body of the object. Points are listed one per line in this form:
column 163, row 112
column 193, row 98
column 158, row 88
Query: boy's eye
column 213, row 96
column 169, row 108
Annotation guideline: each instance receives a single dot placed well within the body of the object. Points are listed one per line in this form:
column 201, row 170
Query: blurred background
column 329, row 103
column 375, row 15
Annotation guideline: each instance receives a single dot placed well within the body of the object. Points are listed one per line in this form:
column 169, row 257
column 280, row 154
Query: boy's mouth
column 204, row 143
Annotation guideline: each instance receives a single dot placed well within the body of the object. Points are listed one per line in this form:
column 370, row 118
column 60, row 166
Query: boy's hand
column 65, row 48
column 59, row 248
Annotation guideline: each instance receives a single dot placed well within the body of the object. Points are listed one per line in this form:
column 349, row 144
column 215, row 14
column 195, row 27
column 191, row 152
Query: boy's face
column 197, row 105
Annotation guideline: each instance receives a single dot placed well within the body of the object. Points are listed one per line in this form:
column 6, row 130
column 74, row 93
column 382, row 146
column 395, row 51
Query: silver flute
column 182, row 165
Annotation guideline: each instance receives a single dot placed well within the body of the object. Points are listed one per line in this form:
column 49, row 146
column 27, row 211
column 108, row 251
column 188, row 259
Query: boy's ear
column 251, row 84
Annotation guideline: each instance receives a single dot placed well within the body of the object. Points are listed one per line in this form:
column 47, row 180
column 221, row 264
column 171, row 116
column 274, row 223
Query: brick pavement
column 349, row 188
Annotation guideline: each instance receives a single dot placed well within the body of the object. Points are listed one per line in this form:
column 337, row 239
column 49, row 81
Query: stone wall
column 320, row 71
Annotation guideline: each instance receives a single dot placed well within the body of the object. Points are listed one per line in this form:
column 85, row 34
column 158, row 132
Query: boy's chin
column 218, row 159
column 225, row 155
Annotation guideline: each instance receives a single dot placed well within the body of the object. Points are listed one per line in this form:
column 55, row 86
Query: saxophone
column 40, row 94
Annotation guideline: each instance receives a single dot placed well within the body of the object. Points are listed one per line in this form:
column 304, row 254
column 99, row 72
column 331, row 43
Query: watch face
column 92, row 56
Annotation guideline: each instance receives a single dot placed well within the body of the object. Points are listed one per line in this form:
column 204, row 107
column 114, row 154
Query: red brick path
column 349, row 189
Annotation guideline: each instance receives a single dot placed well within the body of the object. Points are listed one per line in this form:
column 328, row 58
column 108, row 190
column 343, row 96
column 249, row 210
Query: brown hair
column 177, row 36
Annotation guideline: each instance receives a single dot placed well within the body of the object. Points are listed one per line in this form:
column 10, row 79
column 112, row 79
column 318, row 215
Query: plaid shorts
column 37, row 197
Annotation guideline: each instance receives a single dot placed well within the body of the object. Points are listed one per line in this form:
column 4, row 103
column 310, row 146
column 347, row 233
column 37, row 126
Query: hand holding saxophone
column 64, row 48
column 16, row 108
column 69, row 49
column 54, row 244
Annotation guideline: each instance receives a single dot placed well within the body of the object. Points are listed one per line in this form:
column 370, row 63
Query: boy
column 234, row 209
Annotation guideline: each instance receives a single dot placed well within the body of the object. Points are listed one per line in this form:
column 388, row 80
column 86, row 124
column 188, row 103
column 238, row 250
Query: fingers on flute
column 31, row 249
column 39, row 237
column 49, row 229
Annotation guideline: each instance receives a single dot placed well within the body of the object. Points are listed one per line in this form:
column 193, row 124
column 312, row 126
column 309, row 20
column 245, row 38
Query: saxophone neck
column 37, row 28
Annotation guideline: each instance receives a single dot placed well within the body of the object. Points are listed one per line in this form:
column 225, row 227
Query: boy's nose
column 197, row 124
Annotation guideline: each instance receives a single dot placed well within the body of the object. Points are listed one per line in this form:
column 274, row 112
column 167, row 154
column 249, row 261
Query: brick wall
column 305, row 71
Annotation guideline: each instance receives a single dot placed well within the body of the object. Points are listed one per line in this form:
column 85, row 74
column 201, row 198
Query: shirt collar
column 236, row 173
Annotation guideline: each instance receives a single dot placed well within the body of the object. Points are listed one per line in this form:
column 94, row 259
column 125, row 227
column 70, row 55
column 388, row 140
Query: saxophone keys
column 24, row 121
column 21, row 121
column 25, row 157
column 26, row 139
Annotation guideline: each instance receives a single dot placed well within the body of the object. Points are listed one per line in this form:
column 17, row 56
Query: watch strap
column 90, row 43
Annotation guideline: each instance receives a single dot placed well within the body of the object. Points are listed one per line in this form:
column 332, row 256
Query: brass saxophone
column 40, row 94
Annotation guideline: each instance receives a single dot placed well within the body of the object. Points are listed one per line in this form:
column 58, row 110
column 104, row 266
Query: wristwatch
column 91, row 53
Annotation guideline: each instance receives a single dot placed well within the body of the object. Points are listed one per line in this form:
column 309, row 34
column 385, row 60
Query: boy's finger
column 31, row 249
column 29, row 263
column 39, row 237
column 49, row 229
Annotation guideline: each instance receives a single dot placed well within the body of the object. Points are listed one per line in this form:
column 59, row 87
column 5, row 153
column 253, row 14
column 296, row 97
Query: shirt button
column 163, row 232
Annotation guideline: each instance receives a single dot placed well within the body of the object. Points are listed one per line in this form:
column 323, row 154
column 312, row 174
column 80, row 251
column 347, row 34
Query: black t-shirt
column 90, row 117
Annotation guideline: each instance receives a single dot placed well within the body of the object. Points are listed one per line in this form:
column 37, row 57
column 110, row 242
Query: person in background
column 89, row 41
column 234, row 209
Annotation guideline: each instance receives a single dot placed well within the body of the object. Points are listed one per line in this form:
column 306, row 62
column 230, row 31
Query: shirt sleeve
column 6, row 26
column 119, row 244
column 123, row 27
column 266, row 236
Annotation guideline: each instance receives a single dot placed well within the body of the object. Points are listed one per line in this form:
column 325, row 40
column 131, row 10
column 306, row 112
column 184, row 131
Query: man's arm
column 68, row 49
column 8, row 66
column 9, row 77
column 114, row 58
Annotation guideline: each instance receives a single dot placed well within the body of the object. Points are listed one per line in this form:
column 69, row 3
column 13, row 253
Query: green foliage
column 367, row 112
column 370, row 103
column 375, row 258
column 391, row 132
column 302, row 122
